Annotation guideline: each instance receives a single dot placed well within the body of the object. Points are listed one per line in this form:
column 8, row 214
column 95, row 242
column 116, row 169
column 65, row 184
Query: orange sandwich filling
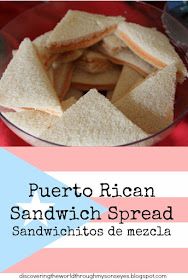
column 140, row 52
column 70, row 56
column 48, row 111
column 122, row 62
column 83, row 43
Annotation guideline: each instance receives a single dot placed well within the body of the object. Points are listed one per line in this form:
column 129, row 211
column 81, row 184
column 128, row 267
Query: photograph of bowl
column 108, row 87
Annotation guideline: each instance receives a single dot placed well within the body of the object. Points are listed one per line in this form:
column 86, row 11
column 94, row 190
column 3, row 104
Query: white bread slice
column 26, row 85
column 14, row 52
column 80, row 29
column 109, row 94
column 32, row 122
column 93, row 62
column 71, row 97
column 5, row 110
column 150, row 105
column 112, row 44
column 103, row 81
column 128, row 79
column 73, row 92
column 126, row 56
column 50, row 73
column 69, row 56
column 45, row 56
column 68, row 102
column 93, row 121
column 62, row 78
column 151, row 45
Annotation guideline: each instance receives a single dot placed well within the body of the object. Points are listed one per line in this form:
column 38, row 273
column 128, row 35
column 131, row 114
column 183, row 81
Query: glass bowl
column 44, row 17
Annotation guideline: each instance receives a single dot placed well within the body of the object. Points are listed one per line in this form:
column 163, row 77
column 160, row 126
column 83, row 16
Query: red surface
column 9, row 10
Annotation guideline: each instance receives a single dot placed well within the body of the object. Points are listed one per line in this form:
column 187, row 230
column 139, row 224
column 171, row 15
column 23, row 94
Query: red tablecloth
column 8, row 10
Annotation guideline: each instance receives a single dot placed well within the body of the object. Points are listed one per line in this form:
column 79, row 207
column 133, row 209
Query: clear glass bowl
column 44, row 17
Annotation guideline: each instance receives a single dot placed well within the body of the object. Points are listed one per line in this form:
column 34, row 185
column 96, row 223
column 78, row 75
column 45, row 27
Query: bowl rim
column 150, row 137
column 178, row 119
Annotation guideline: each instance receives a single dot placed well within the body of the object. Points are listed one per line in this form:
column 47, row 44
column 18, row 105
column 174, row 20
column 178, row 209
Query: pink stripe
column 179, row 208
column 105, row 159
column 105, row 260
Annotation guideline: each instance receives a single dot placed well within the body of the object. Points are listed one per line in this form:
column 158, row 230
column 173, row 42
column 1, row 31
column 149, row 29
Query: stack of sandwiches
column 93, row 80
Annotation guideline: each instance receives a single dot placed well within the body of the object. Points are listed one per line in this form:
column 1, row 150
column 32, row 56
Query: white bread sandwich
column 107, row 80
column 70, row 56
column 50, row 73
column 32, row 122
column 151, row 45
column 112, row 44
column 14, row 52
column 126, row 56
column 73, row 92
column 93, row 121
column 5, row 110
column 79, row 29
column 62, row 78
column 93, row 62
column 25, row 85
column 129, row 78
column 45, row 56
column 71, row 97
column 150, row 105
